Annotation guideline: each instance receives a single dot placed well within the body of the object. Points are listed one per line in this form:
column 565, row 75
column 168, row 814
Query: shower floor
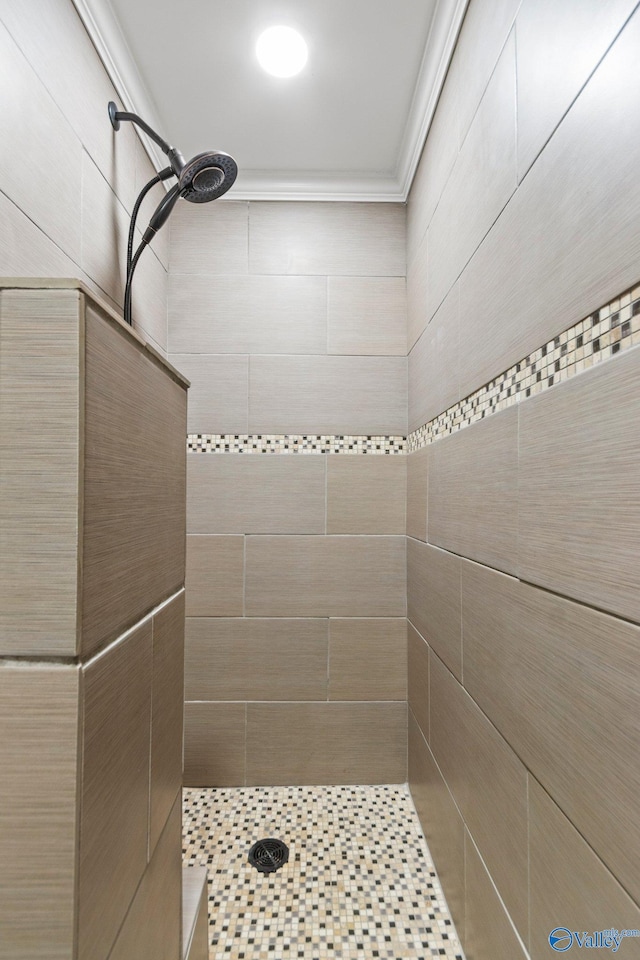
column 360, row 882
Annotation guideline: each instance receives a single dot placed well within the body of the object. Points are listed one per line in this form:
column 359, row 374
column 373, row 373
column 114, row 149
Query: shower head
column 207, row 176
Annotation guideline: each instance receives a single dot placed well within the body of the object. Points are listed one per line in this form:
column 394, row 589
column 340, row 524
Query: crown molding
column 104, row 30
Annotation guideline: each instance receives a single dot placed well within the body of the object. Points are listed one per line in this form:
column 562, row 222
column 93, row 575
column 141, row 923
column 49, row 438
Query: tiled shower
column 412, row 469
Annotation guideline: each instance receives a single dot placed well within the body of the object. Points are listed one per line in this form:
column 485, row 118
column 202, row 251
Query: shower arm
column 175, row 157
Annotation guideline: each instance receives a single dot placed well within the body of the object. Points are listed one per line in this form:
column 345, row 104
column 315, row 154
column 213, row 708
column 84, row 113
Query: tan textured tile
column 579, row 893
column 537, row 664
column 441, row 821
column 344, row 239
column 580, row 457
column 489, row 784
column 152, row 928
column 105, row 225
column 433, row 600
column 235, row 493
column 325, row 576
column 366, row 494
column 368, row 659
column 214, row 744
column 39, row 760
column 210, row 240
column 195, row 926
column 488, row 932
column 417, row 289
column 343, row 395
column 215, row 576
column 167, row 708
column 417, row 493
column 25, row 251
column 433, row 365
column 326, row 743
column 418, row 679
column 115, row 788
column 255, row 659
column 219, row 392
column 473, row 489
column 367, row 316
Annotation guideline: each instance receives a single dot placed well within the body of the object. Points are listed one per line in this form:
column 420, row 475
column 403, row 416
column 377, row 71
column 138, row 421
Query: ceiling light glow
column 281, row 51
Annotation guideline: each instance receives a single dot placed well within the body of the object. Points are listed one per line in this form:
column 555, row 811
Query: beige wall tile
column 433, row 365
column 417, row 493
column 441, row 821
column 105, row 228
column 579, row 893
column 326, row 743
column 489, row 784
column 433, row 600
column 565, row 244
column 215, row 576
column 473, row 489
column 195, row 926
column 219, row 392
column 209, row 314
column 580, row 459
column 352, row 395
column 574, row 36
column 39, row 762
column 325, row 576
column 366, row 494
column 152, row 928
column 134, row 484
column 539, row 664
column 418, row 679
column 214, row 744
column 25, row 251
column 481, row 183
column 255, row 659
column 210, row 240
column 235, row 493
column 488, row 932
column 167, row 708
column 417, row 283
column 115, row 789
column 345, row 239
column 149, row 300
column 367, row 316
column 368, row 659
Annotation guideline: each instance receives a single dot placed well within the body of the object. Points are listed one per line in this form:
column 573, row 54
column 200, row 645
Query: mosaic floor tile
column 360, row 882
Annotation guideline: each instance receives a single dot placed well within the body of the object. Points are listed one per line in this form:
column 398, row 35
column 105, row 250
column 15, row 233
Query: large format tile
column 574, row 36
column 367, row 316
column 149, row 301
column 38, row 810
column 255, row 659
column 167, row 709
column 578, row 505
column 25, row 250
column 418, row 679
column 326, row 743
column 473, row 491
column 214, row 744
column 215, row 576
column 433, row 600
column 488, row 931
column 115, row 788
column 417, row 292
column 579, row 893
column 325, row 577
column 433, row 365
column 366, row 494
column 209, row 314
column 219, row 392
column 344, row 239
column 211, row 240
column 441, row 821
column 568, row 240
column 488, row 781
column 235, row 493
column 417, row 493
column 539, row 664
column 368, row 659
column 326, row 395
column 105, row 228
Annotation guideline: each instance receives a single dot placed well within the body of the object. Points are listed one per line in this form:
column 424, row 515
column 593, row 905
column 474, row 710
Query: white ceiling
column 350, row 126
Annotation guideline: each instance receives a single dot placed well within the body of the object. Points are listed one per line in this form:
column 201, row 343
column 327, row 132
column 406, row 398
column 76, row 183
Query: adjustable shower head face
column 207, row 176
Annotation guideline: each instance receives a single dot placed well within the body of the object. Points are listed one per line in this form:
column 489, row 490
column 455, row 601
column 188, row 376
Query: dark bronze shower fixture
column 205, row 177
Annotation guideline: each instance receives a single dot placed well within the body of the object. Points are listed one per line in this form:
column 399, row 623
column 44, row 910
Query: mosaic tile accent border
column 293, row 443
column 605, row 333
column 359, row 884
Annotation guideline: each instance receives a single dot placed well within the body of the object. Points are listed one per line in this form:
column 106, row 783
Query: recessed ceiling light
column 281, row 51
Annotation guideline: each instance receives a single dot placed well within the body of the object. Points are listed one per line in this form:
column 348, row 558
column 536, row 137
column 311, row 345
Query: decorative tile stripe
column 359, row 883
column 603, row 334
column 292, row 443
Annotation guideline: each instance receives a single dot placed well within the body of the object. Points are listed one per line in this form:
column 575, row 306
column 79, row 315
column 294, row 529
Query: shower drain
column 268, row 855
